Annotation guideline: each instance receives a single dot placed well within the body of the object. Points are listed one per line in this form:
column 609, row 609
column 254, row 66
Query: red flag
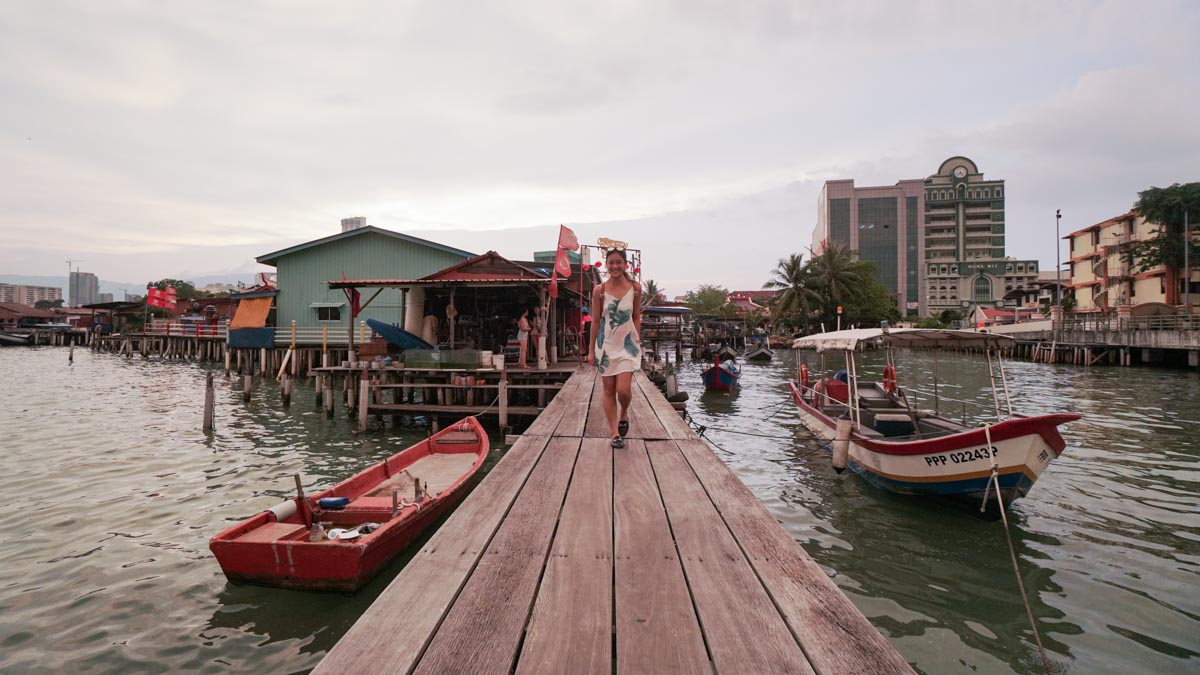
column 566, row 238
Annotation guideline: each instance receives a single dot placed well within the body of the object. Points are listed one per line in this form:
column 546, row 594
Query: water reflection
column 1106, row 540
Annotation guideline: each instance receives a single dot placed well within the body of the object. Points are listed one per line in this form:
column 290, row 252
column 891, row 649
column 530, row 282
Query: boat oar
column 305, row 507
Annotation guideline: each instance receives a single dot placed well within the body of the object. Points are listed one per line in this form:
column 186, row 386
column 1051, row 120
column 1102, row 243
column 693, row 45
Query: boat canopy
column 849, row 340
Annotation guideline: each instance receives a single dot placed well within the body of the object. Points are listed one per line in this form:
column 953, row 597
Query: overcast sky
column 172, row 139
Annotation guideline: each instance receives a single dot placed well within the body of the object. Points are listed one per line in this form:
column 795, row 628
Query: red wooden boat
column 386, row 507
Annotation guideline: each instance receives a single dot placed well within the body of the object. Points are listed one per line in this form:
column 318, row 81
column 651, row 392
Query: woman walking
column 616, row 342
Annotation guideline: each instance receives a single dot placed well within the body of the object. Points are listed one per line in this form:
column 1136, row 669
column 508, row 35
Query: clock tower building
column 938, row 243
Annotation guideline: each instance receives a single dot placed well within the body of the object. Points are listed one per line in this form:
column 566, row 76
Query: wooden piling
column 206, row 424
column 247, row 383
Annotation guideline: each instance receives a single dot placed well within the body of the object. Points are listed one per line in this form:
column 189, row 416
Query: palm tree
column 793, row 281
column 836, row 275
column 650, row 293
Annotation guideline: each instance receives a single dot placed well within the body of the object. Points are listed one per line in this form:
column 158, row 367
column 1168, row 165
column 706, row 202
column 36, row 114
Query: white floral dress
column 618, row 346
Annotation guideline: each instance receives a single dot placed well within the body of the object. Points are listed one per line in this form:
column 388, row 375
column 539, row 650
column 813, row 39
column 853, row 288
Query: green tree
column 930, row 322
column 47, row 304
column 184, row 290
column 796, row 297
column 1166, row 207
column 651, row 293
column 709, row 299
column 835, row 275
column 869, row 302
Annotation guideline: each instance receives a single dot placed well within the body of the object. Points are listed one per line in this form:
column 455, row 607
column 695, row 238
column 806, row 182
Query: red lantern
column 597, row 263
column 637, row 270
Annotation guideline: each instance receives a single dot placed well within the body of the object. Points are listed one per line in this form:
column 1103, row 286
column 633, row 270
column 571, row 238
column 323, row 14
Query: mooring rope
column 1012, row 551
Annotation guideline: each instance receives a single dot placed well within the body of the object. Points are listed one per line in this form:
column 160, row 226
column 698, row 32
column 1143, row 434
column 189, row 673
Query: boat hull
column 760, row 354
column 723, row 377
column 274, row 550
column 957, row 465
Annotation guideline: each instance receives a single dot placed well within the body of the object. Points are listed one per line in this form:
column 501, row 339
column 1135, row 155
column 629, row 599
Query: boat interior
column 885, row 415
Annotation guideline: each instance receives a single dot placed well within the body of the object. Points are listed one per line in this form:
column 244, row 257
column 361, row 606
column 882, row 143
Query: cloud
column 704, row 127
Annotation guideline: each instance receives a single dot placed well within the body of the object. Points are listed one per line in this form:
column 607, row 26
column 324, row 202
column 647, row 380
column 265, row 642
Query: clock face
column 960, row 172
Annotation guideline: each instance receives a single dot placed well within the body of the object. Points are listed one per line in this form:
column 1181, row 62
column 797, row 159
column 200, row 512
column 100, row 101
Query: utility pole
column 1187, row 269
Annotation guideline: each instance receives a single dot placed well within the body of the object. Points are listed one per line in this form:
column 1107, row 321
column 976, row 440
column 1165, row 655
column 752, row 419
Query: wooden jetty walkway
column 573, row 557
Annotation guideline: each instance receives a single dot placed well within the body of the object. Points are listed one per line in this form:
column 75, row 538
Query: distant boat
column 13, row 339
column 397, row 336
column 721, row 376
column 726, row 353
column 383, row 511
column 760, row 353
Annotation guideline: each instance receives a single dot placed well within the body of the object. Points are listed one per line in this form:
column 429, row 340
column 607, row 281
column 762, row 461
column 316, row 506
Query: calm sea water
column 114, row 492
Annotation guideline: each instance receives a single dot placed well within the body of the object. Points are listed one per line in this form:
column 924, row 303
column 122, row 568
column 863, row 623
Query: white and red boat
column 338, row 539
column 877, row 433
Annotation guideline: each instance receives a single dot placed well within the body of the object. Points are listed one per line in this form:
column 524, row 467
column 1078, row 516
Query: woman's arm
column 637, row 308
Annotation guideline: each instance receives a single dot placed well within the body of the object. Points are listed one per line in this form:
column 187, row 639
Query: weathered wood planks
column 836, row 636
column 482, row 630
column 570, row 630
column 744, row 631
column 656, row 626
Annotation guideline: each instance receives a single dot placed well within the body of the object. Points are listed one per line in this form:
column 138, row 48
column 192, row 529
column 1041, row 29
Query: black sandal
column 623, row 428
column 618, row 442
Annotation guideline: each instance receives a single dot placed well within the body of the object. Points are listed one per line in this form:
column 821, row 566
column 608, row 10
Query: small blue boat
column 397, row 336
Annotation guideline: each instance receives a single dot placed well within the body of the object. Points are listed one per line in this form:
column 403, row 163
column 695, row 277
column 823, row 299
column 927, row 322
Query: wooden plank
column 656, row 626
column 548, row 420
column 597, row 424
column 643, row 421
column 483, row 628
column 674, row 425
column 574, row 418
column 448, row 409
column 836, row 636
column 570, row 630
column 743, row 629
column 393, row 632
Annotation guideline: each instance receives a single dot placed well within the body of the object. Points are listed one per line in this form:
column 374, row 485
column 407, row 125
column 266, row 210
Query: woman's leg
column 624, row 388
column 610, row 402
column 524, row 348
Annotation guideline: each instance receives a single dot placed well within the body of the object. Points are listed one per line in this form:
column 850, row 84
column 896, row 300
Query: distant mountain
column 119, row 288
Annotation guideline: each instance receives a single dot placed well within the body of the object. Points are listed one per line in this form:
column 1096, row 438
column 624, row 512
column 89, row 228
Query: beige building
column 29, row 295
column 1103, row 279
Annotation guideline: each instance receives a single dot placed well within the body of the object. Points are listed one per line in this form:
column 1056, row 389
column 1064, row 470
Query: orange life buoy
column 803, row 376
column 889, row 378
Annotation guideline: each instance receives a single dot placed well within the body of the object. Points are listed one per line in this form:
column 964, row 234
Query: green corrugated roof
column 270, row 258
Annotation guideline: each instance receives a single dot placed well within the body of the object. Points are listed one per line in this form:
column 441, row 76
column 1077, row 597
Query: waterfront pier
column 574, row 557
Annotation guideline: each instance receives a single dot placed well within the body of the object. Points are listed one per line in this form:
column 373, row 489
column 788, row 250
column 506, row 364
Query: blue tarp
column 252, row 338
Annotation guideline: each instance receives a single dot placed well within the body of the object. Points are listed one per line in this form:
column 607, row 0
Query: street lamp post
column 1058, row 257
column 1187, row 269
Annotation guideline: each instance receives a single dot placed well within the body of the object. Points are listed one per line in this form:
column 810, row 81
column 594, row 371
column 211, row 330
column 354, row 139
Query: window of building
column 983, row 289
column 1132, row 289
column 329, row 314
column 943, row 269
column 998, row 193
column 1162, row 285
